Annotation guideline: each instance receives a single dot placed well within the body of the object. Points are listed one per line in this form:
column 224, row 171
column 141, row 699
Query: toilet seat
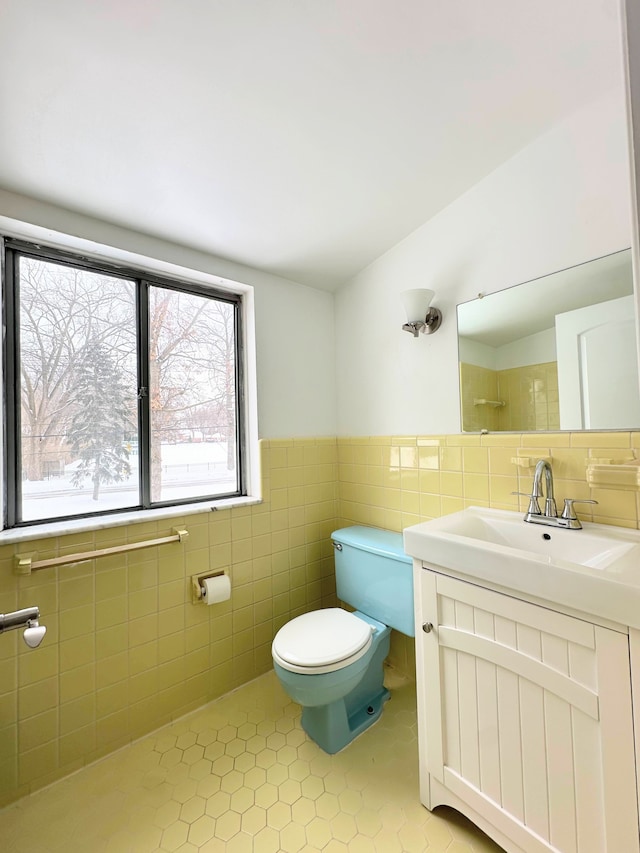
column 321, row 641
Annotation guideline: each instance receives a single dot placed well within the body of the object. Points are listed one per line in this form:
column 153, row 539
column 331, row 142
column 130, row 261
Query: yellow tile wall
column 393, row 482
column 126, row 651
column 478, row 383
column 530, row 395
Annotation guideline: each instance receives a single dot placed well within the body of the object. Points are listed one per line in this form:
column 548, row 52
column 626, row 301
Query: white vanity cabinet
column 525, row 719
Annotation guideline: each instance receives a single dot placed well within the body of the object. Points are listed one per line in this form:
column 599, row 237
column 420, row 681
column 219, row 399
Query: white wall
column 472, row 352
column 562, row 200
column 296, row 360
column 534, row 349
column 295, row 344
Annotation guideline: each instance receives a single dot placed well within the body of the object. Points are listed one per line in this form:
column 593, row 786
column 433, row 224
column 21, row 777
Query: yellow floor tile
column 241, row 775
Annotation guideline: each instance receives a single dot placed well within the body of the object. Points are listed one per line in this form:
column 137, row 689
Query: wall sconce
column 420, row 317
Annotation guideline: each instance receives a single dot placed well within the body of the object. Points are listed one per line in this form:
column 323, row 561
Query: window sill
column 82, row 525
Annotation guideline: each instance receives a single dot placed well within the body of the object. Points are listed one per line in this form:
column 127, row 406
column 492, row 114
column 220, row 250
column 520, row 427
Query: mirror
column 555, row 353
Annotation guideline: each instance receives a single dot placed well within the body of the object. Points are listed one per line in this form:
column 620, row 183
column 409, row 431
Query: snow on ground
column 188, row 471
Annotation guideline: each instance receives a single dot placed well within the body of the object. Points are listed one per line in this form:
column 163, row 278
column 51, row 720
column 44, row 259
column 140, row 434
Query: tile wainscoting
column 393, row 482
column 127, row 652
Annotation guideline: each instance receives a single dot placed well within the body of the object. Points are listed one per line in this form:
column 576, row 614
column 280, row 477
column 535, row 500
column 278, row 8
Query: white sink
column 595, row 570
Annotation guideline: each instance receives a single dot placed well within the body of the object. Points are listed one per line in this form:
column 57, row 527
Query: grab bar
column 25, row 563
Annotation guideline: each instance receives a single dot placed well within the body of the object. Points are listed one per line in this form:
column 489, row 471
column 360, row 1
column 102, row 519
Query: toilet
column 331, row 661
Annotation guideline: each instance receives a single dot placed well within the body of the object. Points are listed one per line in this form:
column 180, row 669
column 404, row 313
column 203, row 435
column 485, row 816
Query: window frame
column 144, row 279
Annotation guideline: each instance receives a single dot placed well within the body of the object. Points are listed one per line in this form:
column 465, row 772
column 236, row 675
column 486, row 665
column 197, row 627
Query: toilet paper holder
column 197, row 584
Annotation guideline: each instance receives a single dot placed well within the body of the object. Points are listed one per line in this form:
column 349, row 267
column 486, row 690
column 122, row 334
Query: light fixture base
column 432, row 323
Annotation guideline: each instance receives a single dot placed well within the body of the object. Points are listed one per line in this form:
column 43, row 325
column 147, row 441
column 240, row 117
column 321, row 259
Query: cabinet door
column 527, row 718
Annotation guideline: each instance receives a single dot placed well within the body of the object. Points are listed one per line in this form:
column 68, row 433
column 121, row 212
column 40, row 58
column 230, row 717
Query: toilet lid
column 322, row 641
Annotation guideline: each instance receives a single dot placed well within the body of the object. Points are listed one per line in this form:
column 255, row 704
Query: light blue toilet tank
column 374, row 575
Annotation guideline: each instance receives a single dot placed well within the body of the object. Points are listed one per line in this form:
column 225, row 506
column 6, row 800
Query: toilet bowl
column 331, row 661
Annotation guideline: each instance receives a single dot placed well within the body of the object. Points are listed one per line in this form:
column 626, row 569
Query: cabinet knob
column 427, row 627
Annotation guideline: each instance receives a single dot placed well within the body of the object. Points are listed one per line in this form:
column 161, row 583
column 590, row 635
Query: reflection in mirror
column 558, row 352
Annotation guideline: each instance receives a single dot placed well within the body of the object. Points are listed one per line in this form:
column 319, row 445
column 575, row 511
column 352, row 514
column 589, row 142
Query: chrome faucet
column 550, row 508
column 534, row 515
column 28, row 619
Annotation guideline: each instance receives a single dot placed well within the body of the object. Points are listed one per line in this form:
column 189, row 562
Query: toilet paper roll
column 216, row 589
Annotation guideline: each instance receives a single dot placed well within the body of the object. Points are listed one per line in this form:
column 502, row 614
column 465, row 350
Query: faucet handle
column 568, row 512
column 534, row 506
column 34, row 633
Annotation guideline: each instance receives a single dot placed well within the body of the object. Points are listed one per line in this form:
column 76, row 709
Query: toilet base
column 335, row 725
column 332, row 728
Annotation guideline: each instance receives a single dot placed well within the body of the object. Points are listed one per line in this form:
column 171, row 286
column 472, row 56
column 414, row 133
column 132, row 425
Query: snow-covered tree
column 61, row 307
column 97, row 430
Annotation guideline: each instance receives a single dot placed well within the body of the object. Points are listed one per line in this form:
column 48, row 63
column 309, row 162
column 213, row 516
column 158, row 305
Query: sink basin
column 595, row 570
column 588, row 547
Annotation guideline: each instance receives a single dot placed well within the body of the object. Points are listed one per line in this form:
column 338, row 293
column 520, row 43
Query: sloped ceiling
column 302, row 137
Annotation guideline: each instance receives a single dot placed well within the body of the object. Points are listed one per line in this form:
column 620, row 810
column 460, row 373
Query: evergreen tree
column 97, row 430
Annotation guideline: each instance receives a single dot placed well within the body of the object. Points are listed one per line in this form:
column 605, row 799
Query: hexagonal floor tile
column 240, row 775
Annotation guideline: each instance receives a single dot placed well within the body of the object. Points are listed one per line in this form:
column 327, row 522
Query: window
column 123, row 390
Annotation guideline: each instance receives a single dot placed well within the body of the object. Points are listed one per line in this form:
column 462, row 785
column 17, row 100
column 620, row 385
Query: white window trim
column 120, row 519
column 101, row 252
